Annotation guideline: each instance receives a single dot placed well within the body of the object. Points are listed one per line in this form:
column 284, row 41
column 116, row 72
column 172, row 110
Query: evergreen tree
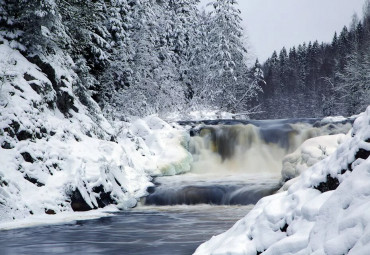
column 227, row 63
column 135, row 57
column 198, row 63
column 354, row 83
column 11, row 28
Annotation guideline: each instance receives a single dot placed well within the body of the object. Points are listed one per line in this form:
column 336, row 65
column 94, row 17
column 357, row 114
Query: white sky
column 272, row 24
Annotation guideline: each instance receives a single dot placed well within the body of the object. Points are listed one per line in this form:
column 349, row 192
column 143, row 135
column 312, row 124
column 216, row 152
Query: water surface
column 144, row 230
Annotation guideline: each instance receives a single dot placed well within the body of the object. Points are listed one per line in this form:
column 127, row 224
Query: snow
column 198, row 115
column 60, row 218
column 331, row 119
column 304, row 220
column 168, row 157
column 47, row 155
column 209, row 115
column 309, row 153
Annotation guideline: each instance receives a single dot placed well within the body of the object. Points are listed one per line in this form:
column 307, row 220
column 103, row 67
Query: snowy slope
column 58, row 155
column 324, row 212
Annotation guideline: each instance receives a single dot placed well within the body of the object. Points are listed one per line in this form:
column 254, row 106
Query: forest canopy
column 139, row 57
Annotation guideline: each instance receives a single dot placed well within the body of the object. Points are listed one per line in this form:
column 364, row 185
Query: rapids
column 237, row 162
column 252, row 146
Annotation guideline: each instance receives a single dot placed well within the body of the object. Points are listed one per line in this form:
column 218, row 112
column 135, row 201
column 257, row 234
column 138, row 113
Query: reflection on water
column 144, row 230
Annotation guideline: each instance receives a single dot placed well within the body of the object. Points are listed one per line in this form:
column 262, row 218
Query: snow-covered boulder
column 164, row 148
column 309, row 153
column 324, row 212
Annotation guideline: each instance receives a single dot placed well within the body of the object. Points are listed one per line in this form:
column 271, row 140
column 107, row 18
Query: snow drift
column 324, row 212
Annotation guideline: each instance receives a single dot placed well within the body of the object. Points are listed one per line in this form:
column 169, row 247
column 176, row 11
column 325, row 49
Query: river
column 235, row 164
column 144, row 230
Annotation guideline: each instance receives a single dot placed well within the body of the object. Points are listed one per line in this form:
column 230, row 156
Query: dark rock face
column 150, row 190
column 6, row 145
column 284, row 228
column 12, row 129
column 34, row 181
column 50, row 211
column 46, row 68
column 360, row 154
column 27, row 157
column 104, row 198
column 345, row 170
column 330, row 184
column 65, row 102
column 24, row 135
column 18, row 88
column 78, row 204
column 3, row 183
column 35, row 87
column 363, row 154
column 192, row 133
column 28, row 77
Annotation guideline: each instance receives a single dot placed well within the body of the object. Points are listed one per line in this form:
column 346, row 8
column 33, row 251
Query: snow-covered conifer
column 228, row 59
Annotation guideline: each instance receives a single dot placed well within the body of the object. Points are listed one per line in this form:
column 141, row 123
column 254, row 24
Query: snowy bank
column 58, row 155
column 309, row 153
column 324, row 212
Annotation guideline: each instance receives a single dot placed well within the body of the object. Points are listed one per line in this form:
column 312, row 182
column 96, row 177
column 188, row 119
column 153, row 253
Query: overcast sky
column 272, row 24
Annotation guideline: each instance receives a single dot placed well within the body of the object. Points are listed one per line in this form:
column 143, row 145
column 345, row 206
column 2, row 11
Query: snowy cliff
column 59, row 155
column 324, row 212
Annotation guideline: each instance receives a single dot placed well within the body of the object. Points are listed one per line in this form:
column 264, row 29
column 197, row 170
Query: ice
column 61, row 218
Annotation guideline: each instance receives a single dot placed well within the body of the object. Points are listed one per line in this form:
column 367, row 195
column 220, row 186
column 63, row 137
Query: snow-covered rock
column 198, row 115
column 167, row 145
column 58, row 155
column 324, row 212
column 309, row 153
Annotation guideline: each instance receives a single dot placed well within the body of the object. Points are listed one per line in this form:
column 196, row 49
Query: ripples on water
column 144, row 230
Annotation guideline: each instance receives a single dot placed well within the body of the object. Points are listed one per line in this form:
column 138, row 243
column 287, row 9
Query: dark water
column 147, row 230
column 216, row 190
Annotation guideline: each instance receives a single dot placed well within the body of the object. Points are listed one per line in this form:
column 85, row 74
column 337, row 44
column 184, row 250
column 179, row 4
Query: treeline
column 136, row 57
column 315, row 80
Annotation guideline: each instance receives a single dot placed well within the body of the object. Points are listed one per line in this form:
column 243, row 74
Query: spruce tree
column 227, row 63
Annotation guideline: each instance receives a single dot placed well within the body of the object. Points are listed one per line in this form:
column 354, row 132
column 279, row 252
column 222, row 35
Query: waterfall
column 227, row 154
column 252, row 148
